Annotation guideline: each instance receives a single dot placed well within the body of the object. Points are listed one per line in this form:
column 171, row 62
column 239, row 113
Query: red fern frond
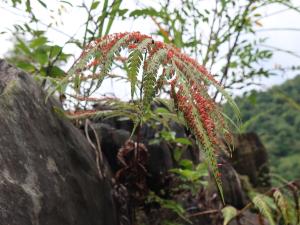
column 188, row 79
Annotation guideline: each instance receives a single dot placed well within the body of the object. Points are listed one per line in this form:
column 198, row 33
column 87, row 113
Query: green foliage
column 277, row 205
column 192, row 177
column 150, row 76
column 170, row 205
column 34, row 53
column 38, row 56
column 261, row 203
column 283, row 206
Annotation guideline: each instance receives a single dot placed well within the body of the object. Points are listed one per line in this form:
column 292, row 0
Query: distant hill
column 275, row 116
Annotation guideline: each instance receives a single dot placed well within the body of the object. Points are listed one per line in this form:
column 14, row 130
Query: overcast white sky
column 73, row 18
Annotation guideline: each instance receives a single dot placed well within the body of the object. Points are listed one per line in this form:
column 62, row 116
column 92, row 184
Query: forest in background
column 275, row 116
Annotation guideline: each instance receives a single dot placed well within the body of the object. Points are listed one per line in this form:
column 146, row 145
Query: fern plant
column 150, row 66
column 278, row 205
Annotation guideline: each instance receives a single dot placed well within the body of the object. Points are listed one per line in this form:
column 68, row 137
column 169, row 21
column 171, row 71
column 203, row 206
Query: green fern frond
column 260, row 203
column 283, row 206
column 134, row 63
column 150, row 74
column 149, row 80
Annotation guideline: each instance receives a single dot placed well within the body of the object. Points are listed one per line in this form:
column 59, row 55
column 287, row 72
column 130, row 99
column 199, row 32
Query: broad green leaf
column 56, row 72
column 229, row 212
column 184, row 141
column 187, row 174
column 162, row 110
column 22, row 46
column 187, row 164
column 95, row 5
column 38, row 42
column 41, row 56
column 201, row 168
column 168, row 135
column 177, row 153
column 54, row 51
column 26, row 66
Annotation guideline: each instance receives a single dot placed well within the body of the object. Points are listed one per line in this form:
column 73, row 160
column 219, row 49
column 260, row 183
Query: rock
column 113, row 133
column 234, row 194
column 48, row 174
column 250, row 158
column 112, row 139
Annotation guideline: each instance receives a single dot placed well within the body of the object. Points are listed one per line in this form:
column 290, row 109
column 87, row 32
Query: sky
column 72, row 20
column 284, row 39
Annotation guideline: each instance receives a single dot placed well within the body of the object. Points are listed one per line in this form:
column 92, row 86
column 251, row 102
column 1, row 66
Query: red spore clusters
column 188, row 90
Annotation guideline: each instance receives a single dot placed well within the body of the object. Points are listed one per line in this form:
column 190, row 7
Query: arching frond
column 260, row 203
column 189, row 83
column 283, row 206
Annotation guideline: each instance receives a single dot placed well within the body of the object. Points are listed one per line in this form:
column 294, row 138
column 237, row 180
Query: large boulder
column 48, row 174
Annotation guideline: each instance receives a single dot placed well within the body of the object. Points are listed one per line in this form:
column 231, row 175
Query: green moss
column 9, row 88
column 6, row 97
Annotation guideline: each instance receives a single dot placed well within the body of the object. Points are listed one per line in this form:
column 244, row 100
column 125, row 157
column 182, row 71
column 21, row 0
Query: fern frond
column 109, row 58
column 189, row 85
column 134, row 63
column 166, row 73
column 196, row 123
column 199, row 77
column 260, row 203
column 283, row 206
column 151, row 67
column 200, row 74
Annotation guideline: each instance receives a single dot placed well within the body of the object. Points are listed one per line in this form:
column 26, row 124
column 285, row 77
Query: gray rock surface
column 48, row 174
